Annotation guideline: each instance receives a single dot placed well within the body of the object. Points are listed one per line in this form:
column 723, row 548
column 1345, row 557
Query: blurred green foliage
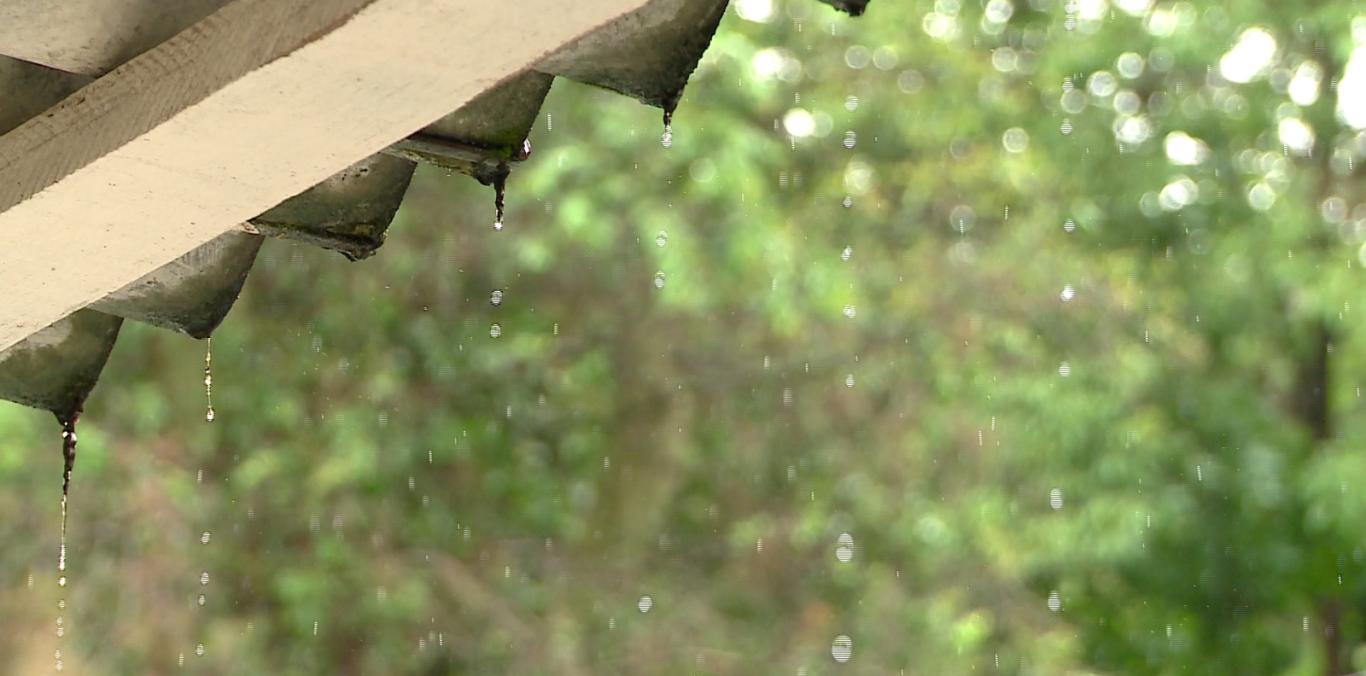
column 929, row 278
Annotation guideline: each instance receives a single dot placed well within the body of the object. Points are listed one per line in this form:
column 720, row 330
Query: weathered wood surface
column 92, row 37
column 255, row 103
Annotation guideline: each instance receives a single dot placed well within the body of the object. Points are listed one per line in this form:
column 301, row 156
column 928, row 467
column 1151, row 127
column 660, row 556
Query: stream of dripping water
column 500, row 184
column 208, row 379
column 68, row 463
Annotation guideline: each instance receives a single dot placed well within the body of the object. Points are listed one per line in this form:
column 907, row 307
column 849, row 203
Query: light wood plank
column 244, row 109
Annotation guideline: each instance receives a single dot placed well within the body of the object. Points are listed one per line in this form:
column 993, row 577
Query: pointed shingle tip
column 853, row 7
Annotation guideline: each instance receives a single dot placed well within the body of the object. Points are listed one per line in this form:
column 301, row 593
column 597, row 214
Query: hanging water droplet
column 1067, row 293
column 847, row 253
column 850, row 312
column 495, row 331
column 1065, row 127
column 496, row 298
column 850, row 139
column 849, row 380
column 1054, row 601
column 199, row 650
column 1069, row 225
column 661, row 239
column 1064, row 369
column 842, row 648
column 659, row 280
column 667, row 138
column 1055, row 498
column 848, row 202
column 205, row 537
column 645, row 603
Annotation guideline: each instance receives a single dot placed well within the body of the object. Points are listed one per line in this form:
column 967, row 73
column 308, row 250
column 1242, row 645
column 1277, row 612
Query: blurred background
column 966, row 337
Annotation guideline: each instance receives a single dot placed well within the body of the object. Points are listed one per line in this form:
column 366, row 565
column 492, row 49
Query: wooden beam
column 254, row 104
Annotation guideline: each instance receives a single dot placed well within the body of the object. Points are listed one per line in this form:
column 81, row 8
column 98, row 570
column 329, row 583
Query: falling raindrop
column 850, row 312
column 1066, row 127
column 208, row 379
column 496, row 330
column 847, row 253
column 204, row 578
column 1055, row 498
column 850, row 139
column 496, row 298
column 205, row 537
column 849, row 380
column 202, row 599
column 661, row 239
column 1067, row 293
column 844, row 548
column 1015, row 140
column 1069, row 225
column 659, row 280
column 199, row 650
column 842, row 649
column 1054, row 601
column 645, row 603
column 1064, row 369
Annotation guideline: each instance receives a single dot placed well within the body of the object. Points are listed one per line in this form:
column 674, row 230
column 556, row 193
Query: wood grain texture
column 244, row 109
